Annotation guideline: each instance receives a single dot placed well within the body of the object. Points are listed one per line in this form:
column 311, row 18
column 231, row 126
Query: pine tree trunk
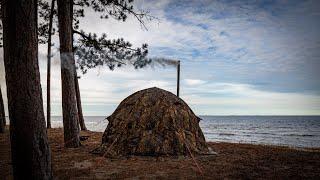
column 78, row 96
column 69, row 102
column 49, row 66
column 2, row 115
column 29, row 142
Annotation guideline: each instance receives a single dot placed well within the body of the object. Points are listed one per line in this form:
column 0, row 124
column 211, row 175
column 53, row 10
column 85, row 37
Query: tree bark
column 49, row 66
column 29, row 142
column 78, row 96
column 2, row 115
column 69, row 102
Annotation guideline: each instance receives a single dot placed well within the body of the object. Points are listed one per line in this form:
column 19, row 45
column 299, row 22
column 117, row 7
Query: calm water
column 296, row 131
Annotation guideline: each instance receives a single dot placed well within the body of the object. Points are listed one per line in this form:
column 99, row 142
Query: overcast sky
column 237, row 57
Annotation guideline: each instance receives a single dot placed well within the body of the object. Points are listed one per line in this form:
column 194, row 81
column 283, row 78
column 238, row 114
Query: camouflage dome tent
column 153, row 122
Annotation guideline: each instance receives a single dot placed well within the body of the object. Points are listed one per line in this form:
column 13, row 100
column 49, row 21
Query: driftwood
column 153, row 122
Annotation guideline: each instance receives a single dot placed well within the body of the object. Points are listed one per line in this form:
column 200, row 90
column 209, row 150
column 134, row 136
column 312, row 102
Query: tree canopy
column 92, row 50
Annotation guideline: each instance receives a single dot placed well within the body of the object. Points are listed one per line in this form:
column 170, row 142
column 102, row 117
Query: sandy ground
column 234, row 161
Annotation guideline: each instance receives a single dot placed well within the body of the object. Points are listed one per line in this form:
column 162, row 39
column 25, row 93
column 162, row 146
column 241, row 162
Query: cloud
column 237, row 57
column 247, row 40
column 244, row 99
column 104, row 91
column 194, row 82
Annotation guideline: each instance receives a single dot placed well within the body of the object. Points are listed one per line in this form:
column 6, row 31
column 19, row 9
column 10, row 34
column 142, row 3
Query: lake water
column 295, row 131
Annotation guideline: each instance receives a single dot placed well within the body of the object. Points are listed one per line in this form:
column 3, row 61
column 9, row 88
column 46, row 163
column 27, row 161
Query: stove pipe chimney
column 178, row 78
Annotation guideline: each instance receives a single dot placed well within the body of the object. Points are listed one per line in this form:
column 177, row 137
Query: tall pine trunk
column 2, row 115
column 29, row 142
column 49, row 66
column 69, row 102
column 78, row 96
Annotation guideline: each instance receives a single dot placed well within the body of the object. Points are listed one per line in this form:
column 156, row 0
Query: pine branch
column 98, row 44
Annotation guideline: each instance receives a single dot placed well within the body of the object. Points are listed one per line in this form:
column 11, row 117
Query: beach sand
column 233, row 161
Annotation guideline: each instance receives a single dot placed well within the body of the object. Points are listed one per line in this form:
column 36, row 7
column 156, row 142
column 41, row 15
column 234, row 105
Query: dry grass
column 234, row 161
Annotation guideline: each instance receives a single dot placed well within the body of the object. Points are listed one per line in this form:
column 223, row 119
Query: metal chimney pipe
column 178, row 78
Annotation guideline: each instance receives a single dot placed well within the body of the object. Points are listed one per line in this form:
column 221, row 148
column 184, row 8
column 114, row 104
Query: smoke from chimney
column 164, row 62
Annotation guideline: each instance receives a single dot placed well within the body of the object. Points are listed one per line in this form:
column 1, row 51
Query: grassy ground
column 234, row 161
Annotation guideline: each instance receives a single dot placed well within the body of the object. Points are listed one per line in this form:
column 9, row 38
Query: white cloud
column 247, row 41
column 194, row 82
column 229, row 98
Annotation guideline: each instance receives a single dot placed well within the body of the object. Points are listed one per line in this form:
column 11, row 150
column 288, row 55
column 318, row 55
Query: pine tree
column 121, row 51
column 29, row 144
column 2, row 115
column 52, row 12
column 69, row 104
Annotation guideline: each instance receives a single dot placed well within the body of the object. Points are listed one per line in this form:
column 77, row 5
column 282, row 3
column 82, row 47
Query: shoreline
column 307, row 149
column 234, row 160
column 278, row 131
